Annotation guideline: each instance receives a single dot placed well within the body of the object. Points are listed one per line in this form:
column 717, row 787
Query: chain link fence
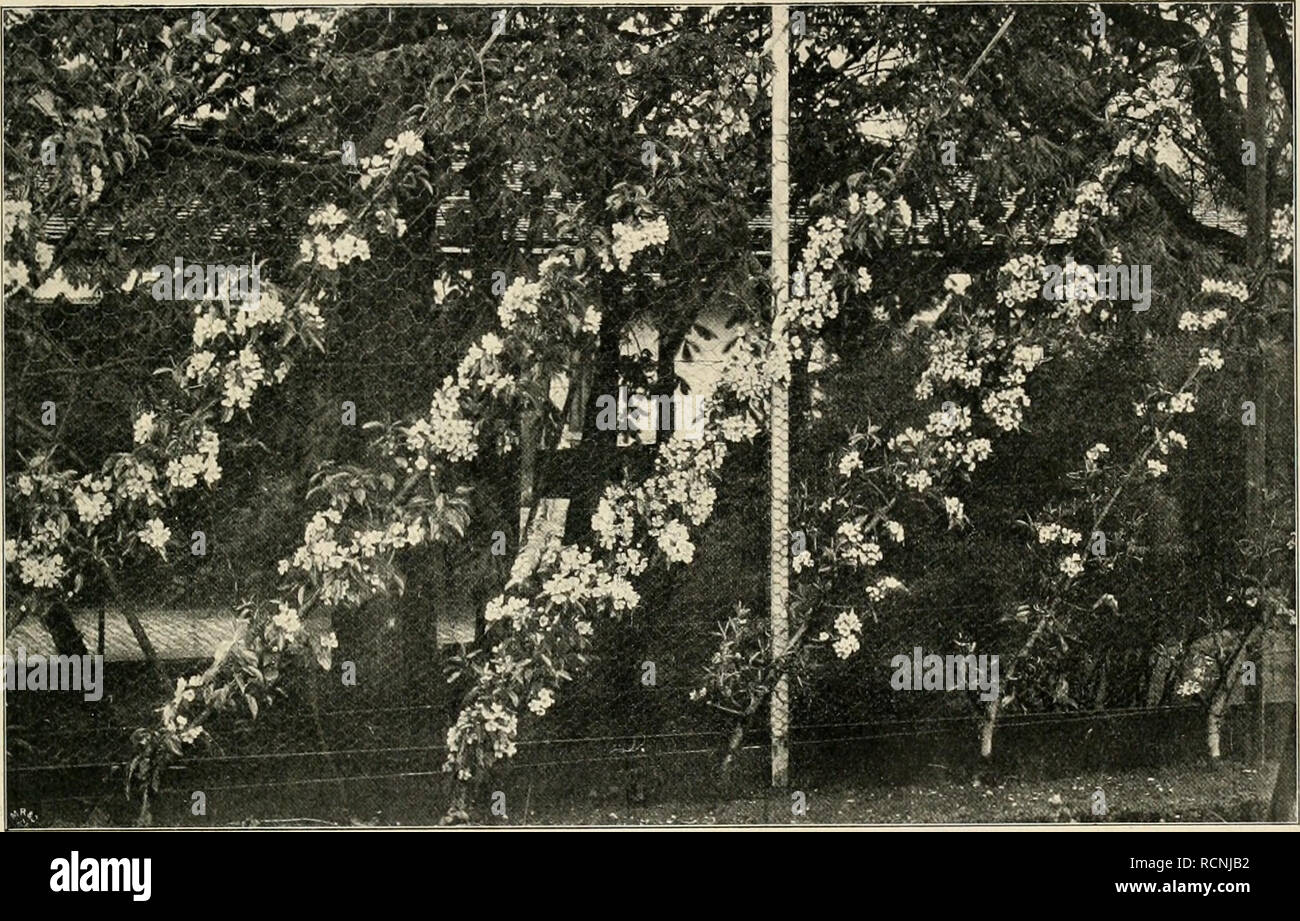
column 627, row 734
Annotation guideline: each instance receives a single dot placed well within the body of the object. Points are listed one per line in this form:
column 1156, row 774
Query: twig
column 137, row 628
column 970, row 72
column 460, row 81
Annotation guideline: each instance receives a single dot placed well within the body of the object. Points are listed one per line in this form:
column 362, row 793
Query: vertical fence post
column 1257, row 245
column 780, row 397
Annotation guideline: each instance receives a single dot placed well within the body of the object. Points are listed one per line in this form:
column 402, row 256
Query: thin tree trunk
column 669, row 342
column 58, row 622
column 728, row 763
column 1223, row 692
column 137, row 628
column 1214, row 725
column 458, row 809
column 528, row 436
column 1099, row 697
column 596, row 456
column 1283, row 805
column 1257, row 103
column 327, row 752
column 987, row 726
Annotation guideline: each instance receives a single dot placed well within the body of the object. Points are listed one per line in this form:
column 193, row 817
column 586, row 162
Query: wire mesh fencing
column 246, row 153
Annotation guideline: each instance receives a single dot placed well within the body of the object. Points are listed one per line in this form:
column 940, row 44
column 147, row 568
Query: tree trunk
column 591, row 462
column 1257, row 104
column 1099, row 699
column 458, row 806
column 994, row 707
column 1223, row 692
column 669, row 342
column 1283, row 806
column 987, row 726
column 1214, row 724
column 67, row 638
column 733, row 745
column 137, row 628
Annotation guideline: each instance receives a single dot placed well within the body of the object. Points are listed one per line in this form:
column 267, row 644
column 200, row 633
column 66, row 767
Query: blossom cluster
column 632, row 237
column 39, row 557
column 232, row 345
column 1091, row 199
column 1234, row 290
column 186, row 692
column 1020, row 280
column 1191, row 321
column 520, row 299
column 406, row 144
column 447, row 432
column 877, row 591
column 1006, row 407
column 853, row 548
column 333, row 553
column 17, row 216
column 1049, row 533
column 1092, row 457
column 1282, row 233
column 812, row 300
column 346, row 560
column 576, row 582
column 1163, row 439
column 1211, row 359
column 330, row 254
column 1182, row 402
column 193, row 459
column 155, row 534
column 723, row 121
column 848, row 627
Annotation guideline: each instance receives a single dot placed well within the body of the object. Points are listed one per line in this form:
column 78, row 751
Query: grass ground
column 1229, row 793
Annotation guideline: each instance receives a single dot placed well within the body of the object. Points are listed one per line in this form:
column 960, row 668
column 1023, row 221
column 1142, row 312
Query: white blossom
column 155, row 534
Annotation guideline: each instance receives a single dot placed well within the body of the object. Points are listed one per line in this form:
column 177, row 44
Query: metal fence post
column 780, row 704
